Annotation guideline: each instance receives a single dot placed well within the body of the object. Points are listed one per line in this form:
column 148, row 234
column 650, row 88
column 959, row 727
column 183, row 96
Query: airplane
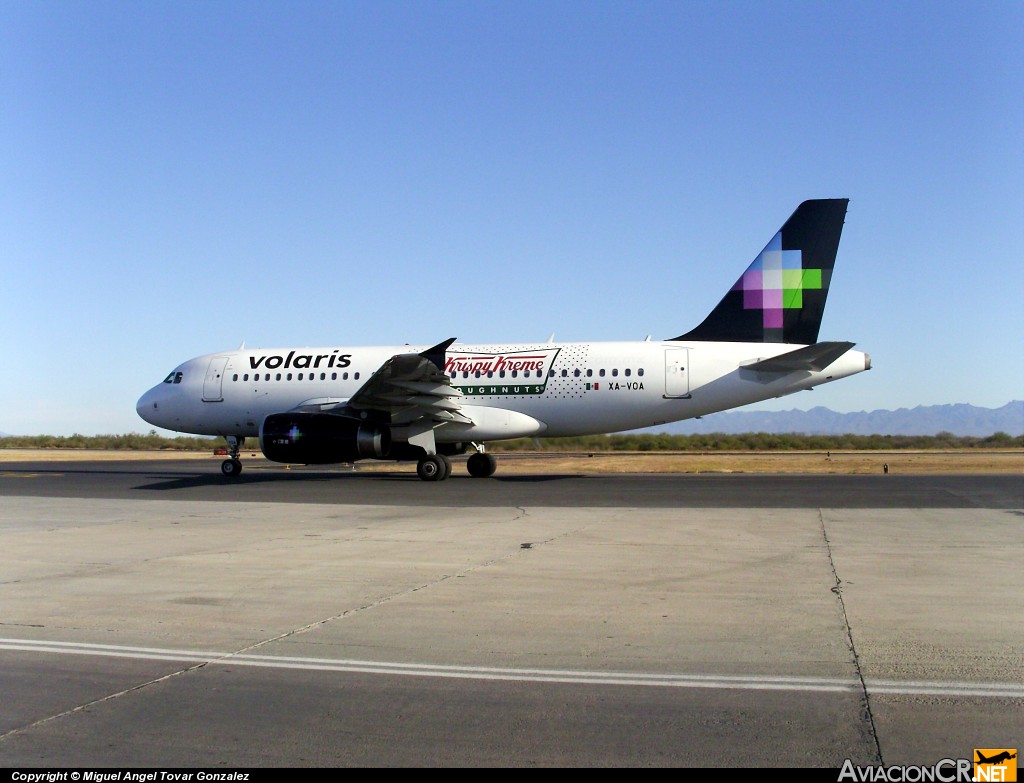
column 341, row 404
column 996, row 759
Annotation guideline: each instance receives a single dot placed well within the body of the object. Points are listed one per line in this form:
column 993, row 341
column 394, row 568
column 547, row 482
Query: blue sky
column 177, row 177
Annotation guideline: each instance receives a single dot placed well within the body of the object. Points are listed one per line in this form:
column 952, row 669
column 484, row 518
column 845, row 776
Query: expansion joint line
column 838, row 590
column 295, row 631
column 408, row 591
column 102, row 699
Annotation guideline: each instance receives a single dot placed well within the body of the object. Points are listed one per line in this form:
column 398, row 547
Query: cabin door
column 677, row 376
column 213, row 385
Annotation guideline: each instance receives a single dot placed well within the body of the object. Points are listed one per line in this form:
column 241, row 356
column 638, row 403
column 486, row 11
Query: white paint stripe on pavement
column 737, row 682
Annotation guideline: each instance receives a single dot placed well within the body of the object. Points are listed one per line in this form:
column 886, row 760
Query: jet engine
column 321, row 438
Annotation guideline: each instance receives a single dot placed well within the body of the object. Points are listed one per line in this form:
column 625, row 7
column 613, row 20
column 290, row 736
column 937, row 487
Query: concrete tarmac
column 154, row 615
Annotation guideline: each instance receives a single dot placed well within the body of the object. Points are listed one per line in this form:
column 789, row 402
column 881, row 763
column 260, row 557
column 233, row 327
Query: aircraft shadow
column 165, row 482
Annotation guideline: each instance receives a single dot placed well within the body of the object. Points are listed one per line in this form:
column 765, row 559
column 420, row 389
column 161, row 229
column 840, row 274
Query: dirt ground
column 917, row 462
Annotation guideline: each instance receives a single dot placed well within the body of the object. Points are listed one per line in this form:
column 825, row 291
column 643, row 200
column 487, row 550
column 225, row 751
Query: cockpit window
column 174, row 377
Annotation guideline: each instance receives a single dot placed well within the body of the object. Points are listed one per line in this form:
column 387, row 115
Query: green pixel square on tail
column 795, row 282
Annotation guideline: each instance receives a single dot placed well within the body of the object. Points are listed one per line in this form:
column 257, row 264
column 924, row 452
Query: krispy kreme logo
column 511, row 372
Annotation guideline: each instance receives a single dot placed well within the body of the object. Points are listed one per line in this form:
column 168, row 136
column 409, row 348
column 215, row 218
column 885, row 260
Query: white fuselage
column 508, row 390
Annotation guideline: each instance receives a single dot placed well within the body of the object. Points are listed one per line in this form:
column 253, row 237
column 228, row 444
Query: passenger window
column 615, row 373
column 640, row 371
column 601, row 373
column 590, row 373
column 289, row 376
column 356, row 376
column 344, row 376
column 278, row 377
column 628, row 371
column 334, row 376
column 576, row 373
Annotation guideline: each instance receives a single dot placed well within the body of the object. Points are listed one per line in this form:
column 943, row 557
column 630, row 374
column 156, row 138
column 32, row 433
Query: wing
column 412, row 387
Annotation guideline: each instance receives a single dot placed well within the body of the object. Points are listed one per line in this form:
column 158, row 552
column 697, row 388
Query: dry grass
column 916, row 462
column 838, row 462
column 779, row 462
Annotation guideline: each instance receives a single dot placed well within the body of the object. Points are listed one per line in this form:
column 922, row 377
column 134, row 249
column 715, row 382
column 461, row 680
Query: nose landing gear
column 232, row 467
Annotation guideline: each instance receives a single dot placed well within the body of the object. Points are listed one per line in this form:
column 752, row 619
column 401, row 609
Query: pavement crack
column 102, row 699
column 837, row 589
column 517, row 552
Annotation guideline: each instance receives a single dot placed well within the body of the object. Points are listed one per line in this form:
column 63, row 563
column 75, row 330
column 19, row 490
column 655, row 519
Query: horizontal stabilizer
column 814, row 358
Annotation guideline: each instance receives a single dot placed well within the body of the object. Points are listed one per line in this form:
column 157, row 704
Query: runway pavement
column 155, row 615
column 267, row 482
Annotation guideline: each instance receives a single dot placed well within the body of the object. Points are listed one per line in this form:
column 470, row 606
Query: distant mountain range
column 958, row 419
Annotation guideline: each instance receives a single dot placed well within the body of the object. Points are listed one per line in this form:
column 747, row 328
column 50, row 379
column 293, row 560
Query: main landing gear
column 434, row 467
column 437, row 467
column 232, row 467
column 481, row 465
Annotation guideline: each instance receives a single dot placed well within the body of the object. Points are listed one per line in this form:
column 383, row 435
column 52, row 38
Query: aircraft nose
column 148, row 407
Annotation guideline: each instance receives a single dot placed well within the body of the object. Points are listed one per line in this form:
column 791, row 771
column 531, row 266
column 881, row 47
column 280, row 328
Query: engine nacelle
column 322, row 438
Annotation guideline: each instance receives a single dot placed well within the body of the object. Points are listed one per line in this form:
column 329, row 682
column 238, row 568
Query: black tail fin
column 781, row 296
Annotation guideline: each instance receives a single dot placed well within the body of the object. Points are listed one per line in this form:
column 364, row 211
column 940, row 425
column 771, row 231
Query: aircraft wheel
column 231, row 468
column 434, row 467
column 481, row 465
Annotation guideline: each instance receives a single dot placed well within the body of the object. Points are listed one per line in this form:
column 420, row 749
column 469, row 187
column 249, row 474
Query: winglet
column 436, row 354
